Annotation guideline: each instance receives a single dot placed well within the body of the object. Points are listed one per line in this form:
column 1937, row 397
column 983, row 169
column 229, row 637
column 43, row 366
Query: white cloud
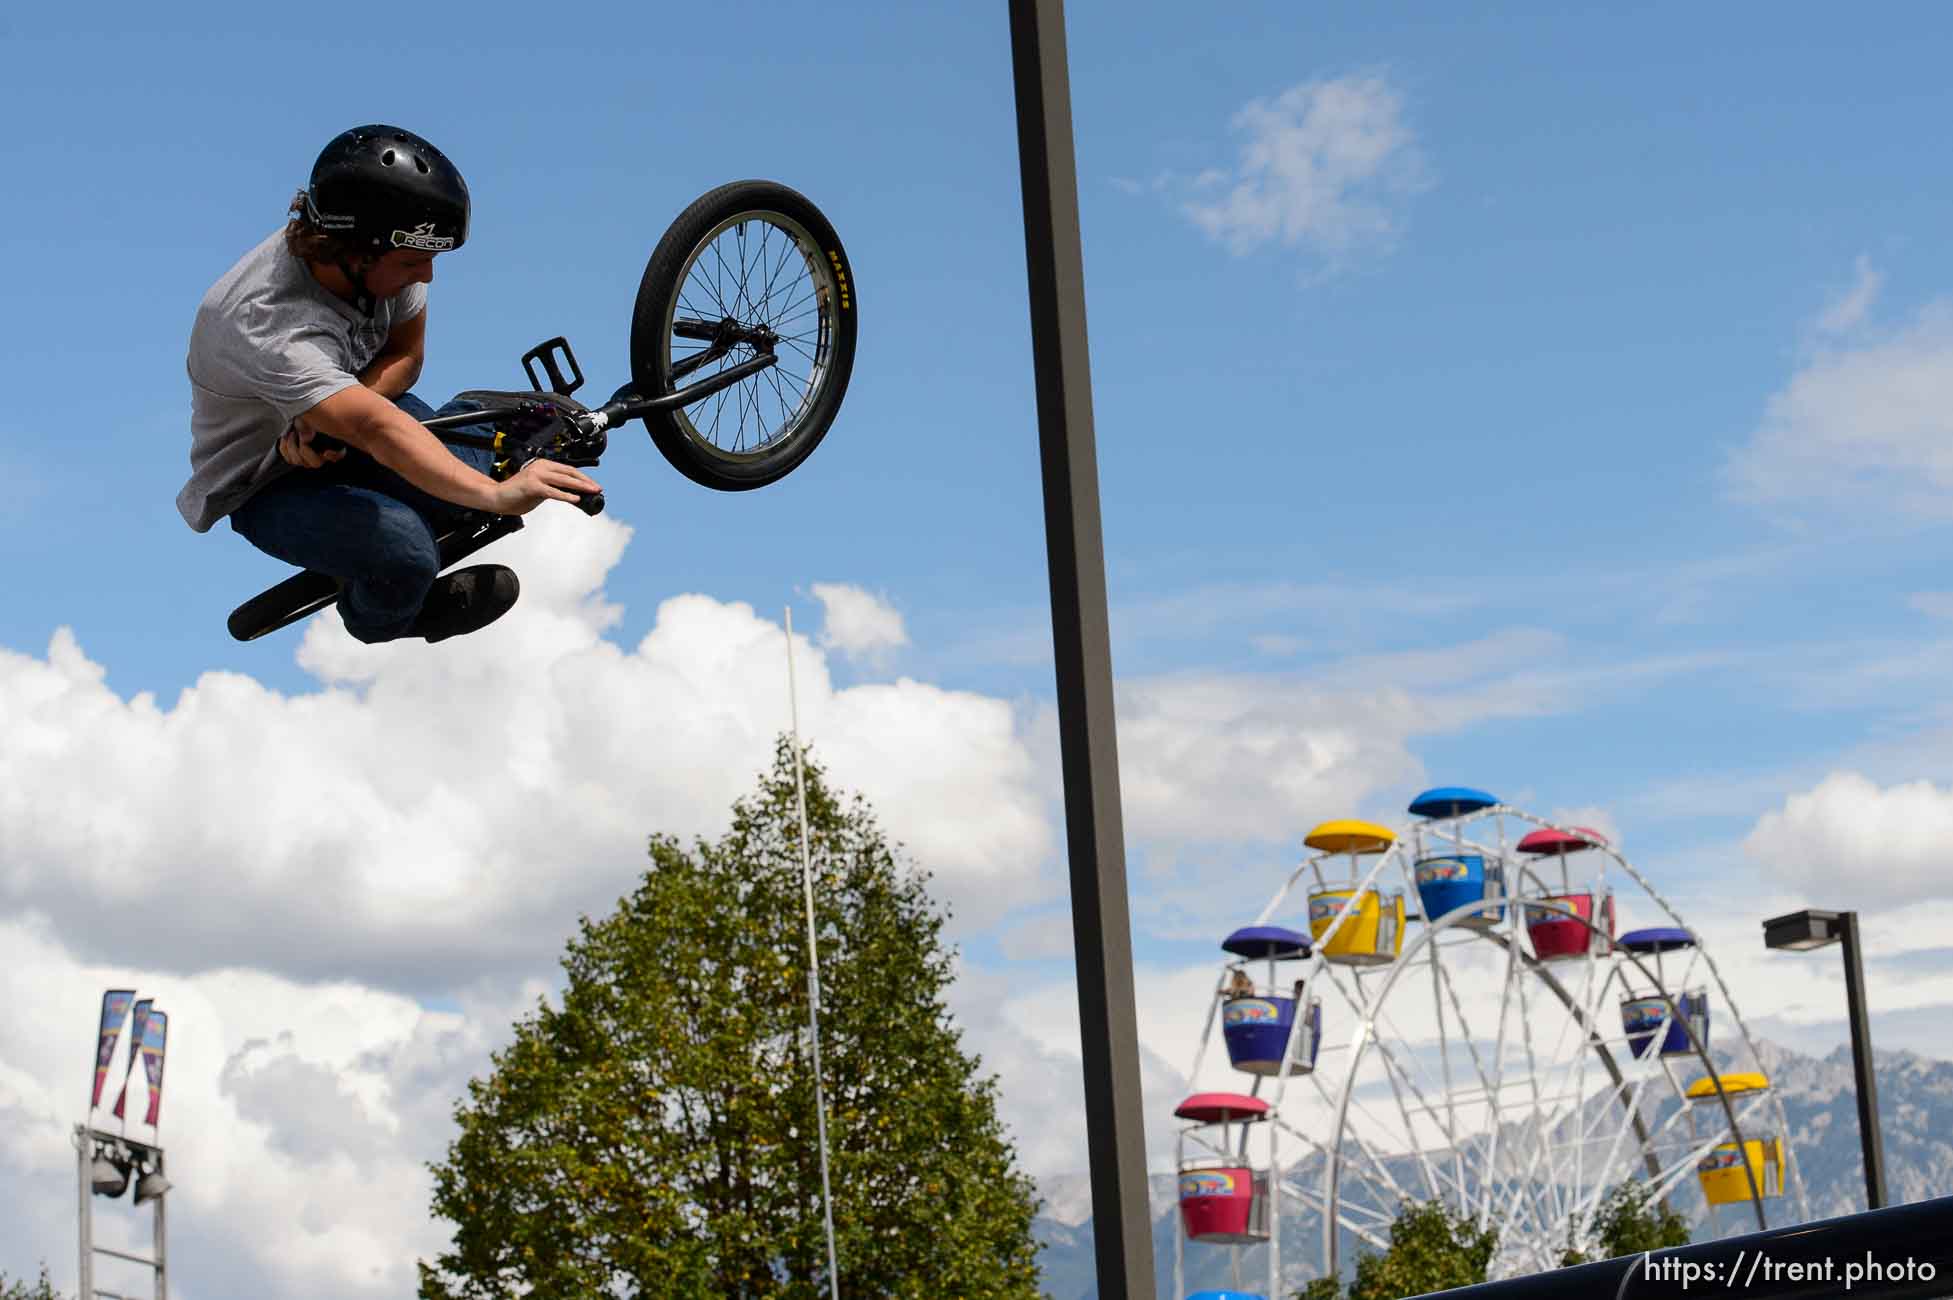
column 1324, row 168
column 1869, row 426
column 1594, row 818
column 1848, row 836
column 1222, row 774
column 1848, row 310
column 1248, row 757
column 457, row 808
column 1047, row 934
column 1030, row 1035
column 859, row 624
column 291, row 875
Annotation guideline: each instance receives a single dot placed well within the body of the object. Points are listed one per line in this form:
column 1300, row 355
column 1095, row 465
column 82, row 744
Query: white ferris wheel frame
column 1539, row 1242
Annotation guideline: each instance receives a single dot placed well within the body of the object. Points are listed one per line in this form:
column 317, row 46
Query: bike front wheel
column 749, row 266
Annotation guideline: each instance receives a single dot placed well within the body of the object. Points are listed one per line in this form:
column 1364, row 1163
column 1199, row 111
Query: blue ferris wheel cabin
column 1447, row 881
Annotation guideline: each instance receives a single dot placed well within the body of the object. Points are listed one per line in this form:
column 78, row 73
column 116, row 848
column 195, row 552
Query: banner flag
column 115, row 1009
column 155, row 1033
column 135, row 1050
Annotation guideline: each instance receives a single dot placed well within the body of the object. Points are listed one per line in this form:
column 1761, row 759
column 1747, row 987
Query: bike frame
column 626, row 403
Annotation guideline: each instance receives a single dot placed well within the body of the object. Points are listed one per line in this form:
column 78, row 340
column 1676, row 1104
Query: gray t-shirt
column 269, row 344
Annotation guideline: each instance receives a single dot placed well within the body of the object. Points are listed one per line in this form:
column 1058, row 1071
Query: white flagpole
column 813, row 966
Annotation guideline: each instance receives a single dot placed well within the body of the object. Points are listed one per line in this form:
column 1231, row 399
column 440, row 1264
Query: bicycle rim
column 759, row 268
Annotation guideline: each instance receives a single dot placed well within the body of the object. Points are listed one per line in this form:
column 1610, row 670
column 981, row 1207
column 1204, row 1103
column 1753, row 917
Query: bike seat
column 504, row 398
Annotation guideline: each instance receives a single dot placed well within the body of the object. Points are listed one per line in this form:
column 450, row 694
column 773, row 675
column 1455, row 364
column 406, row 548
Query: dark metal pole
column 1074, row 544
column 1861, row 1063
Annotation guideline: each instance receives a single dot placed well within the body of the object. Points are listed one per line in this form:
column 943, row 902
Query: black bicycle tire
column 659, row 287
column 307, row 592
column 303, row 594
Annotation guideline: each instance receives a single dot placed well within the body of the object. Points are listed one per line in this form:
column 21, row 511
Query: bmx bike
column 742, row 341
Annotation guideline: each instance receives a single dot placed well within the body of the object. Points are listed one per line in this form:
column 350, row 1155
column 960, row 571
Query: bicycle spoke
column 811, row 297
column 766, row 299
column 773, row 380
column 758, row 272
column 712, row 288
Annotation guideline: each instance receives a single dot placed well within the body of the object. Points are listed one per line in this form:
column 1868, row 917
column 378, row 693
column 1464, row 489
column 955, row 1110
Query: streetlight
column 1812, row 928
column 106, row 1163
column 151, row 1185
column 108, row 1174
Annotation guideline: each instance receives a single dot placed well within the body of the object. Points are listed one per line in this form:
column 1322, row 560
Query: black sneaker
column 466, row 600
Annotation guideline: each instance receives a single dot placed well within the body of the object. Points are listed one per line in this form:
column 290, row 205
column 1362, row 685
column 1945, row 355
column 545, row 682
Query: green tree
column 1431, row 1249
column 22, row 1289
column 1630, row 1221
column 656, row 1134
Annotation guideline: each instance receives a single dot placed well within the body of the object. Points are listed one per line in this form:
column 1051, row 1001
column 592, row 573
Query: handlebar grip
column 324, row 442
column 592, row 505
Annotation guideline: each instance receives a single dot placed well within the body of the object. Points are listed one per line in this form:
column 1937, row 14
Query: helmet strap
column 362, row 296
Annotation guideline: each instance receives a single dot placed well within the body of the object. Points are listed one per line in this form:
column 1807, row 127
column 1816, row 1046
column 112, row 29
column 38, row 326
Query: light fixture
column 1802, row 931
column 109, row 1174
column 151, row 1185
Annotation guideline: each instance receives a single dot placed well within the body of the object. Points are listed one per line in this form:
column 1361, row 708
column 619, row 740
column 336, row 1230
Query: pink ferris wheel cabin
column 1562, row 931
column 1222, row 1198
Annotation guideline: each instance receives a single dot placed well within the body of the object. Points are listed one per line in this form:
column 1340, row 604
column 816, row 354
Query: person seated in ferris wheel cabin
column 321, row 330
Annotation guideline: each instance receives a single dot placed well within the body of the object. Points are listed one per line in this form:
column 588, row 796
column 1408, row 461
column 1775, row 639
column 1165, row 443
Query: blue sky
column 1555, row 401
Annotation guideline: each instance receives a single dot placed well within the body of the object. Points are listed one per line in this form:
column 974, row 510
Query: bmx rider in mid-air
column 321, row 330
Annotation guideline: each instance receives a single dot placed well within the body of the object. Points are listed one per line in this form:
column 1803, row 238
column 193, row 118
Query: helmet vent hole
column 422, row 164
column 386, row 159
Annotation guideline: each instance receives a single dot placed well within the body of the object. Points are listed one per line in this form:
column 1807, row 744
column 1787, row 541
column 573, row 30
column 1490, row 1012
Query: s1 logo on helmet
column 424, row 238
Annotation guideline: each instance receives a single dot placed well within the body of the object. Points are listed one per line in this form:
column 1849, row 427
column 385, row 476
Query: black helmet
column 387, row 188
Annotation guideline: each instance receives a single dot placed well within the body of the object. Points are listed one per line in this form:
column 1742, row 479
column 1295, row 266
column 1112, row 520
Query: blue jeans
column 358, row 521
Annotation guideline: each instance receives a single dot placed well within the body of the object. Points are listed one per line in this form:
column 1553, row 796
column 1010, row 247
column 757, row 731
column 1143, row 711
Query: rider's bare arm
column 397, row 366
column 360, row 417
column 392, row 372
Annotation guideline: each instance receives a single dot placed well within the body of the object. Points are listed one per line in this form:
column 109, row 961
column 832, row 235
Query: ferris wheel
column 1449, row 1014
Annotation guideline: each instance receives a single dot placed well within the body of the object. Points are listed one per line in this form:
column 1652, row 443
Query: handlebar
column 588, row 504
